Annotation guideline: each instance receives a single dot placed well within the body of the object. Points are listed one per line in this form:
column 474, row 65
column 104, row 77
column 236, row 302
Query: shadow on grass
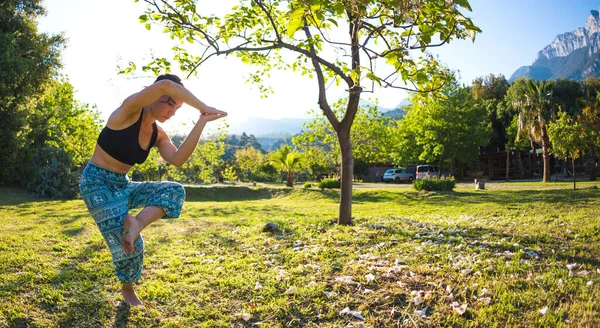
column 12, row 196
column 227, row 194
column 122, row 316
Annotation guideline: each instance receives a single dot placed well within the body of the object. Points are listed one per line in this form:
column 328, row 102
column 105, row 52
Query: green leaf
column 296, row 19
column 148, row 26
column 463, row 3
column 374, row 77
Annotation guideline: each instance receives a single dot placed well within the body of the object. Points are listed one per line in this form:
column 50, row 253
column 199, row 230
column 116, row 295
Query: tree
column 533, row 99
column 590, row 121
column 369, row 136
column 29, row 60
column 448, row 129
column 287, row 160
column 259, row 32
column 490, row 91
column 567, row 138
column 249, row 160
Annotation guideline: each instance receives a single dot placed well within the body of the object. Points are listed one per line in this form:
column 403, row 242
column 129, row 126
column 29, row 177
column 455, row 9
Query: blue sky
column 104, row 34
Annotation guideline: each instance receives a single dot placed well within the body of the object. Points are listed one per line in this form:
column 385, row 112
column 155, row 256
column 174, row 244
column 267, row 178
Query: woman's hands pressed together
column 211, row 114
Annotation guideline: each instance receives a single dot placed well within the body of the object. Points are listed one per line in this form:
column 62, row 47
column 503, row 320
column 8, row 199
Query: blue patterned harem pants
column 109, row 196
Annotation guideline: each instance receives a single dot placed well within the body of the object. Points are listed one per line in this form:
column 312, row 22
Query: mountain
column 264, row 127
column 573, row 55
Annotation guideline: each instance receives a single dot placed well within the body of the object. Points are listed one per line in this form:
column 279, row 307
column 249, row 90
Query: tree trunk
column 507, row 163
column 290, row 179
column 593, row 169
column 521, row 168
column 546, row 153
column 345, row 215
column 573, row 165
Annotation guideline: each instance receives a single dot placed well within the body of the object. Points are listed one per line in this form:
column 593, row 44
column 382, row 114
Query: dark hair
column 170, row 77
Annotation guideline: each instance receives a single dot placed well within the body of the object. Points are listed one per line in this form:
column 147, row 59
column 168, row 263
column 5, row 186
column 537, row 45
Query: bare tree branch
column 323, row 104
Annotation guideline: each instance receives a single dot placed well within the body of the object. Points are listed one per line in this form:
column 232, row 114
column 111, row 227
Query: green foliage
column 330, row 183
column 29, row 60
column 370, row 135
column 229, row 174
column 435, row 184
column 152, row 169
column 307, row 185
column 202, row 166
column 54, row 176
column 567, row 137
column 287, row 160
column 249, row 160
column 447, row 128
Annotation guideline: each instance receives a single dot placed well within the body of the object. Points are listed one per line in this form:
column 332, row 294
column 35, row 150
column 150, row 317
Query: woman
column 127, row 138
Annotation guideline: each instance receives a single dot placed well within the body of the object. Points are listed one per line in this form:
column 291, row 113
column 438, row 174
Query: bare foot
column 130, row 233
column 130, row 296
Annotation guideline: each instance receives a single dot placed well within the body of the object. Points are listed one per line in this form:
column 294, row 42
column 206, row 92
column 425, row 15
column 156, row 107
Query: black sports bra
column 123, row 145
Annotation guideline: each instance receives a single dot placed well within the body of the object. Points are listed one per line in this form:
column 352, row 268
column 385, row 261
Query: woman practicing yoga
column 127, row 138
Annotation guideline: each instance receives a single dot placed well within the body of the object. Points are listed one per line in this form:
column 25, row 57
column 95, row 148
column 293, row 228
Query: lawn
column 513, row 255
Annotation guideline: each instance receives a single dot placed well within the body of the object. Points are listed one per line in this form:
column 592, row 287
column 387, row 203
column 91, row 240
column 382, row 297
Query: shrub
column 229, row 174
column 307, row 185
column 329, row 183
column 55, row 176
column 435, row 184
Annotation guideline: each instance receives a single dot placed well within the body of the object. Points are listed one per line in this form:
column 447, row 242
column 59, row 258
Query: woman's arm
column 134, row 103
column 177, row 157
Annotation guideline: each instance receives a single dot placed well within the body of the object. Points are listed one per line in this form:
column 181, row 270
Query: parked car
column 398, row 175
column 427, row 171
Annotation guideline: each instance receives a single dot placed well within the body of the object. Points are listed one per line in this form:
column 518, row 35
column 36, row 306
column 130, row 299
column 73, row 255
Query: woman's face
column 166, row 107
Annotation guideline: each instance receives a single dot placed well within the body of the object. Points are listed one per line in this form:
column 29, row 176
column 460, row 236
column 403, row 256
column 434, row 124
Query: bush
column 55, row 177
column 307, row 185
column 329, row 183
column 435, row 184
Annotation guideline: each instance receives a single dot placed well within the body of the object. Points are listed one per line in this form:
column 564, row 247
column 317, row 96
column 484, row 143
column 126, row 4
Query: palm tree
column 287, row 160
column 535, row 111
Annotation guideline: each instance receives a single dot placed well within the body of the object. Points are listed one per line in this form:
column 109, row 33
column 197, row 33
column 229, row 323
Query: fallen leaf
column 246, row 316
column 330, row 294
column 589, row 283
column 421, row 313
column 449, row 298
column 544, row 310
column 466, row 271
column 257, row 286
column 352, row 313
column 485, row 292
column 370, row 277
column 460, row 309
column 346, row 280
column 290, row 290
column 485, row 300
column 367, row 291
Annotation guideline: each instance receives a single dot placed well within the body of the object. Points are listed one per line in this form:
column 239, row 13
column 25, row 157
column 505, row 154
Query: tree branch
column 323, row 104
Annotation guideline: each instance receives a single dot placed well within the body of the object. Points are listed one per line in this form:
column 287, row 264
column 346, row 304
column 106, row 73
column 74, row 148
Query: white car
column 427, row 171
column 398, row 175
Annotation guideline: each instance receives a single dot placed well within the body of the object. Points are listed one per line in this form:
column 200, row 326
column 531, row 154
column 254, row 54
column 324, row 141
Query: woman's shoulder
column 120, row 119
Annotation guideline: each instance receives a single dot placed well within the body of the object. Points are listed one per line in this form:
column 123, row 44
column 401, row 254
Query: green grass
column 510, row 243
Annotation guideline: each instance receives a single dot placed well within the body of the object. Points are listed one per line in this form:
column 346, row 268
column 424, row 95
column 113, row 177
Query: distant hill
column 273, row 128
column 573, row 55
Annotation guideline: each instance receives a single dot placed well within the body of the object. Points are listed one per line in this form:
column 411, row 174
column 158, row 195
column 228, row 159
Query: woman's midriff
column 102, row 159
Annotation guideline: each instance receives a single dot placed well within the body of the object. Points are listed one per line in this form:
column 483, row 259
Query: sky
column 103, row 35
